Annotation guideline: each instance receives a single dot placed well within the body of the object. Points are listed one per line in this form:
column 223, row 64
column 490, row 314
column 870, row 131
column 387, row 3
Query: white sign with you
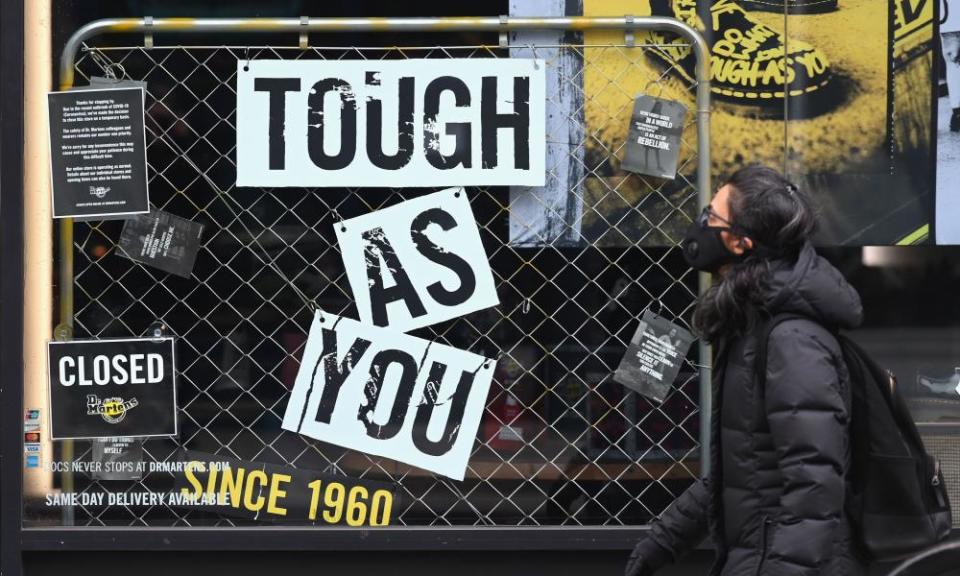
column 389, row 394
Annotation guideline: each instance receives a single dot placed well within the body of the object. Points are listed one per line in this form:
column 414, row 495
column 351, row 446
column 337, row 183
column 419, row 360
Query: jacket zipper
column 763, row 543
column 935, row 482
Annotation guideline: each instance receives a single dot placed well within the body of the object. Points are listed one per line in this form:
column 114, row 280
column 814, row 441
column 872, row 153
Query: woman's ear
column 739, row 244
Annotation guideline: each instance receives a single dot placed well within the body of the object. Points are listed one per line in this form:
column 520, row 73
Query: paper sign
column 260, row 491
column 98, row 152
column 391, row 123
column 653, row 142
column 385, row 393
column 162, row 240
column 418, row 262
column 654, row 357
column 107, row 388
column 117, row 459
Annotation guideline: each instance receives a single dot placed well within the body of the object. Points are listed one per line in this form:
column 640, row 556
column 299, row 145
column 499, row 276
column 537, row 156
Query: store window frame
column 11, row 280
column 16, row 538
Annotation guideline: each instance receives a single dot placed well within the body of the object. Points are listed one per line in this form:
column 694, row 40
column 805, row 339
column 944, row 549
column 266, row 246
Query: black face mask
column 703, row 247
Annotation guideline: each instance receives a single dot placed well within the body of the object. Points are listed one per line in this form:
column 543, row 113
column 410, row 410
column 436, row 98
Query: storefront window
column 576, row 264
column 559, row 442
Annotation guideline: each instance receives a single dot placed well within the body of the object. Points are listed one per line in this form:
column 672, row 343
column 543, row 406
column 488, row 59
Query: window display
column 297, row 386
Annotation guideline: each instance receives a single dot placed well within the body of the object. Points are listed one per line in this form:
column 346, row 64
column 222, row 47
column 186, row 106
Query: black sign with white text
column 653, row 143
column 98, row 153
column 653, row 359
column 163, row 241
column 107, row 388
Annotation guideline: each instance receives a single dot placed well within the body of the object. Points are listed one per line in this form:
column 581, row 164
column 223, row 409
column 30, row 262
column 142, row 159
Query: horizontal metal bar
column 392, row 48
column 273, row 25
column 531, row 538
column 342, row 539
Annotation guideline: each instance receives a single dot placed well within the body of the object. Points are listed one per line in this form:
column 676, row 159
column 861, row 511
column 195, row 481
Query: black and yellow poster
column 835, row 93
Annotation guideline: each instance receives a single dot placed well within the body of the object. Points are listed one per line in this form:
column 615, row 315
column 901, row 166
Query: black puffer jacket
column 780, row 455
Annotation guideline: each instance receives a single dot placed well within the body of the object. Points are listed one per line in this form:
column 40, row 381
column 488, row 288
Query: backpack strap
column 763, row 341
column 857, row 369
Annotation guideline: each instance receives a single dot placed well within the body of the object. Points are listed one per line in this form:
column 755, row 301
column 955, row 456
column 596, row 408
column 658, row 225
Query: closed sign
column 106, row 388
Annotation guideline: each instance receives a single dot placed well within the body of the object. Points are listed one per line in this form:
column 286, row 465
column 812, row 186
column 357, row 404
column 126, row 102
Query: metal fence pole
column 705, row 190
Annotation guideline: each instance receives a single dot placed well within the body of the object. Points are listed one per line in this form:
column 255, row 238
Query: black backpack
column 897, row 502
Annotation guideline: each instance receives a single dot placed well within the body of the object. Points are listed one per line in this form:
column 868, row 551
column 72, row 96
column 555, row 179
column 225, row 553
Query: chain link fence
column 560, row 442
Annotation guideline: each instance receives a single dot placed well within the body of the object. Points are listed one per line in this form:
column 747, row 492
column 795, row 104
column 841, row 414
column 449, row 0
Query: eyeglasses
column 704, row 220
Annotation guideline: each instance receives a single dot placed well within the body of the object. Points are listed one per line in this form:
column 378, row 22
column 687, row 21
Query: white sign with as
column 418, row 262
column 389, row 394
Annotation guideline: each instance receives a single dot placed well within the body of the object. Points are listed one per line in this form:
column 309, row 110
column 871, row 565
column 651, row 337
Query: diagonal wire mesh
column 560, row 442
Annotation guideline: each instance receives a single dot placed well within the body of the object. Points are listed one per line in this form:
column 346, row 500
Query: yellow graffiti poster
column 836, row 93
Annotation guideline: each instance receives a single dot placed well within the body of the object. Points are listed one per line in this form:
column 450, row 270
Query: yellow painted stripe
column 168, row 24
column 915, row 237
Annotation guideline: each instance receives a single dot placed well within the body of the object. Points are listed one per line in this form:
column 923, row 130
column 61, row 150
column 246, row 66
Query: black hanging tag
column 653, row 142
column 653, row 359
column 162, row 240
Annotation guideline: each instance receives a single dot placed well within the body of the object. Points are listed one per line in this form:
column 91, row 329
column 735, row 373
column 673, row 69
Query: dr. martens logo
column 99, row 191
column 112, row 410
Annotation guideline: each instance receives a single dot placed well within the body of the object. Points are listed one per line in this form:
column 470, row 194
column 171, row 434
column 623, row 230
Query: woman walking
column 780, row 454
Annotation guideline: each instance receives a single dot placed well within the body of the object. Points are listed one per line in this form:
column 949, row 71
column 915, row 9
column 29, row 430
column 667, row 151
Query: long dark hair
column 780, row 219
